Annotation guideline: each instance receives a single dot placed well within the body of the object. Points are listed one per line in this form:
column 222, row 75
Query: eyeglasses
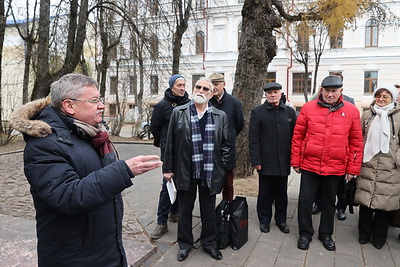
column 198, row 87
column 384, row 97
column 95, row 101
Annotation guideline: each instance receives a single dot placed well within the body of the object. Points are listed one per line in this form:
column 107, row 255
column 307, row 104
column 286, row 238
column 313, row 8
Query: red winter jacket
column 328, row 141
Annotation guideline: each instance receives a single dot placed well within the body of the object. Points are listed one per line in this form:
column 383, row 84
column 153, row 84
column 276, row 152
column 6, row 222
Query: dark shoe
column 327, row 242
column 303, row 242
column 378, row 245
column 174, row 217
column 182, row 254
column 159, row 231
column 341, row 215
column 363, row 240
column 284, row 228
column 264, row 228
column 214, row 253
column 316, row 209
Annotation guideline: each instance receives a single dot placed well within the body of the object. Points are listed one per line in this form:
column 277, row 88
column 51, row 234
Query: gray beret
column 272, row 86
column 332, row 81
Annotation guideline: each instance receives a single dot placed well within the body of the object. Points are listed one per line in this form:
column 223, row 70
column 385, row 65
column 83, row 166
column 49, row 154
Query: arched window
column 371, row 33
column 239, row 33
column 154, row 46
column 200, row 43
column 336, row 41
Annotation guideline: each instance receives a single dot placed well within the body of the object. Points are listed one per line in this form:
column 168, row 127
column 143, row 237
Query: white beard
column 199, row 98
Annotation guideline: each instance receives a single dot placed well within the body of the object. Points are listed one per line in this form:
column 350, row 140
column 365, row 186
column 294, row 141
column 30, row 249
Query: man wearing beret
column 327, row 146
column 233, row 109
column 175, row 95
column 270, row 135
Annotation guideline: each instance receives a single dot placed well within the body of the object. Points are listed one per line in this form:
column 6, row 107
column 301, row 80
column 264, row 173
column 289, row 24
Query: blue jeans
column 164, row 205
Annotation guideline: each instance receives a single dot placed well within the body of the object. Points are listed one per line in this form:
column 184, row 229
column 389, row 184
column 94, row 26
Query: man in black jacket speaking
column 75, row 175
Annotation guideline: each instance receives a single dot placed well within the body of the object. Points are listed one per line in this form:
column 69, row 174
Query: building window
column 153, row 46
column 200, row 4
column 199, row 43
column 112, row 110
column 154, row 84
column 113, row 85
column 271, row 77
column 336, row 41
column 154, row 7
column 370, row 81
column 113, row 52
column 132, row 85
column 195, row 78
column 299, row 80
column 239, row 34
column 371, row 33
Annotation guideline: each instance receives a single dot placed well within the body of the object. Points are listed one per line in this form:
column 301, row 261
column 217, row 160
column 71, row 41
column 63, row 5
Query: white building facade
column 366, row 55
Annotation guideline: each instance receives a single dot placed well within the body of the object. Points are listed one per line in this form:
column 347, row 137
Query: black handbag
column 350, row 192
column 239, row 222
column 223, row 214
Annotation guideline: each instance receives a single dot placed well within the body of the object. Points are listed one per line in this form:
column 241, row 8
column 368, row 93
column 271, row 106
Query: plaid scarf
column 202, row 150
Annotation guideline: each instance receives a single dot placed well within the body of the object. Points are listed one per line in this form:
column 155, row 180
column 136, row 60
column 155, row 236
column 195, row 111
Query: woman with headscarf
column 378, row 187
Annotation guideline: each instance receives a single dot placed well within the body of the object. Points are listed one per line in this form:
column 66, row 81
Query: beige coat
column 378, row 186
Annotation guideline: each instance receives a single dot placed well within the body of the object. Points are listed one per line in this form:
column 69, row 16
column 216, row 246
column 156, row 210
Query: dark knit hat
column 272, row 86
column 173, row 78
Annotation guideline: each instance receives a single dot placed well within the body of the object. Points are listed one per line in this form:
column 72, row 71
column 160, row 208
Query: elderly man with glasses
column 75, row 175
column 195, row 158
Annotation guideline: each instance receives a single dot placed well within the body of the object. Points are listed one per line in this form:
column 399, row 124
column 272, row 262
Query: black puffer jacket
column 78, row 204
column 161, row 115
column 178, row 149
column 270, row 135
column 232, row 106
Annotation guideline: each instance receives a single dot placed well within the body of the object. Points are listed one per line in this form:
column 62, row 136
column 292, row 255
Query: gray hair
column 208, row 80
column 71, row 85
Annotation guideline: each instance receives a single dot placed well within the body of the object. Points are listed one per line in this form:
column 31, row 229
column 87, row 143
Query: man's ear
column 68, row 107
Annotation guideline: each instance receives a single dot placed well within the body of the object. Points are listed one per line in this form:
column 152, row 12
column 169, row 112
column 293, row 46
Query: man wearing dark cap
column 327, row 146
column 233, row 109
column 175, row 95
column 270, row 134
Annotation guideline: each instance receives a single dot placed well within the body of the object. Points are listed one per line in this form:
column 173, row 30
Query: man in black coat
column 196, row 155
column 174, row 96
column 75, row 176
column 270, row 134
column 233, row 109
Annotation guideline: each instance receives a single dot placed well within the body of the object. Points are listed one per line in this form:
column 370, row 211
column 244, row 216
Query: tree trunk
column 2, row 33
column 182, row 18
column 42, row 74
column 256, row 50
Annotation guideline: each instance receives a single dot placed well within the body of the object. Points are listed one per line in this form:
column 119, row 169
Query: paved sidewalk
column 18, row 240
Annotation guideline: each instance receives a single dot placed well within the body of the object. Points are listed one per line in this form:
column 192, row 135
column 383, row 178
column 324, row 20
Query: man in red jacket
column 327, row 146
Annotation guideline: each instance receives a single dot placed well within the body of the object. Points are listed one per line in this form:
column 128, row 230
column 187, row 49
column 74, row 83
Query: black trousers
column 341, row 197
column 272, row 189
column 164, row 205
column 308, row 189
column 373, row 222
column 207, row 213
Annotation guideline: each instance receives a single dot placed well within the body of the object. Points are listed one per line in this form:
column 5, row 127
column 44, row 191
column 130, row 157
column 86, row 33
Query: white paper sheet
column 171, row 191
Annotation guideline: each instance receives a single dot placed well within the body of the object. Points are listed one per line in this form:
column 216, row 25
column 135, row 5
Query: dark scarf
column 98, row 137
column 332, row 107
column 202, row 150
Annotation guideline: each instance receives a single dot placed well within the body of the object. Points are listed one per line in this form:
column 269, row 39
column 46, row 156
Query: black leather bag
column 239, row 222
column 223, row 214
column 350, row 192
